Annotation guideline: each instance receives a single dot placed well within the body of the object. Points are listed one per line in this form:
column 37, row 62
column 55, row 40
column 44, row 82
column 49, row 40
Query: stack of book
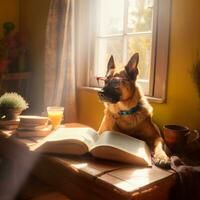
column 9, row 124
column 33, row 126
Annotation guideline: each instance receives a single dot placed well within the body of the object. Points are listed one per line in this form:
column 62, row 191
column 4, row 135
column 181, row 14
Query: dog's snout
column 101, row 93
column 109, row 95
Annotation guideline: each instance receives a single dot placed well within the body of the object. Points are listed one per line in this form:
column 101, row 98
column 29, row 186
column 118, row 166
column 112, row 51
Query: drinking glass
column 55, row 114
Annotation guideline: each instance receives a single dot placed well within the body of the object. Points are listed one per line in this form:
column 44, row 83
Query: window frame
column 162, row 49
column 160, row 46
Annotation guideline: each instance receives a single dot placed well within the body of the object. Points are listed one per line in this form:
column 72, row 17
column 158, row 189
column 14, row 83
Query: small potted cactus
column 11, row 105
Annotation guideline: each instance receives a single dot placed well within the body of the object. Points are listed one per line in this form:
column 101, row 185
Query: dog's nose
column 101, row 93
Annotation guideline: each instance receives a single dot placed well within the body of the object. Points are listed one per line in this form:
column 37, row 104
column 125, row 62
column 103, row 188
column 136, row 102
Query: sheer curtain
column 59, row 66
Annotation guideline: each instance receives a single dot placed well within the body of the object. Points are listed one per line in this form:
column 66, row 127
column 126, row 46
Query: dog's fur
column 124, row 97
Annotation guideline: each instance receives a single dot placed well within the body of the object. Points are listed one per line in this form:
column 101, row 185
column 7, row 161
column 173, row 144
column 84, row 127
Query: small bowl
column 33, row 120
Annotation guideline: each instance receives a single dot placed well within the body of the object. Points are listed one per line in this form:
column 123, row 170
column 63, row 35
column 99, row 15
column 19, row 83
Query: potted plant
column 12, row 49
column 5, row 47
column 11, row 105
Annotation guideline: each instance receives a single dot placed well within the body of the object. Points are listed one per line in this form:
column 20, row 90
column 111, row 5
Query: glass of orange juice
column 55, row 114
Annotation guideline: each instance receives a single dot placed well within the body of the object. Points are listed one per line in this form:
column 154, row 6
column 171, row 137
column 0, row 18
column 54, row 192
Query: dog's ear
column 131, row 67
column 111, row 64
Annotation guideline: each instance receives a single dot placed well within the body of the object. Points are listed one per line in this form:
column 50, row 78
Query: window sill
column 149, row 98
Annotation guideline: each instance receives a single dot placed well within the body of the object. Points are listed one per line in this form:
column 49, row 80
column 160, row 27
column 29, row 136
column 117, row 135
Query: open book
column 109, row 145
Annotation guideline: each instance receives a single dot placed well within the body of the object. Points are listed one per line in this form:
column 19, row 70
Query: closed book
column 33, row 133
column 33, row 120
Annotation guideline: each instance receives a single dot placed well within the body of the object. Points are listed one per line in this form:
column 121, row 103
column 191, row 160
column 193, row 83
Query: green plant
column 196, row 74
column 12, row 46
column 13, row 100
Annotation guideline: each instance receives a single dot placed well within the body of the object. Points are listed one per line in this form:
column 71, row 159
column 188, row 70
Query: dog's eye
column 125, row 81
column 115, row 83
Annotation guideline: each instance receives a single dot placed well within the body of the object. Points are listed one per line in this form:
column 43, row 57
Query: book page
column 125, row 143
column 86, row 135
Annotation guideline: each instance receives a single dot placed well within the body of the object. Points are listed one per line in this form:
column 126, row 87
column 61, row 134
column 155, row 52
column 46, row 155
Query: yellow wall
column 183, row 104
column 9, row 12
column 33, row 17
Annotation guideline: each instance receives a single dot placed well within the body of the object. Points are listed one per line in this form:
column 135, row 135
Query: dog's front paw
column 162, row 160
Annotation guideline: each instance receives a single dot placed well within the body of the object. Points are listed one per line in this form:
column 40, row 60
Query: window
column 123, row 27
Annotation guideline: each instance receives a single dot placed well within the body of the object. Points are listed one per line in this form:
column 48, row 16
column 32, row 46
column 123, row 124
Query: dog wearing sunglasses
column 127, row 110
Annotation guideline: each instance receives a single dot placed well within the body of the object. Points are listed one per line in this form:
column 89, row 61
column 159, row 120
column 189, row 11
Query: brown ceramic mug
column 176, row 136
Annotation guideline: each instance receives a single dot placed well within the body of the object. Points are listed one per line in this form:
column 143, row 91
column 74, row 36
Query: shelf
column 16, row 76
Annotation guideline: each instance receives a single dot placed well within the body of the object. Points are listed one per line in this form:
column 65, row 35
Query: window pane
column 139, row 15
column 142, row 45
column 111, row 17
column 106, row 47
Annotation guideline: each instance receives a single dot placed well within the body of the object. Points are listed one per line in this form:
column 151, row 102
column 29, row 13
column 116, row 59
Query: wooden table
column 86, row 177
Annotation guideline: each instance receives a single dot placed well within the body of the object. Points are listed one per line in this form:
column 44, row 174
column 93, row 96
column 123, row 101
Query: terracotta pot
column 11, row 113
column 4, row 65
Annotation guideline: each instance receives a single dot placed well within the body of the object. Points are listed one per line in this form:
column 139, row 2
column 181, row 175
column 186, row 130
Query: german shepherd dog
column 127, row 110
